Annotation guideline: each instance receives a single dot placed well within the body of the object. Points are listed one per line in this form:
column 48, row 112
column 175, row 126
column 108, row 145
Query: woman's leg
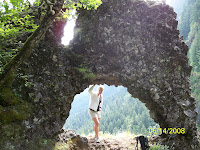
column 99, row 115
column 96, row 126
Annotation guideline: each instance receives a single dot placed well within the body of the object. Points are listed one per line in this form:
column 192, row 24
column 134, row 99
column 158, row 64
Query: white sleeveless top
column 94, row 99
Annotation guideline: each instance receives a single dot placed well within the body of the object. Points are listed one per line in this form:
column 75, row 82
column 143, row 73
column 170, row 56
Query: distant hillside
column 189, row 26
column 178, row 6
column 120, row 113
column 81, row 100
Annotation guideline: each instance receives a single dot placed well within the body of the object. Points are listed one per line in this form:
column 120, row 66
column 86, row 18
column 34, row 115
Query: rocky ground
column 68, row 140
column 114, row 143
column 105, row 144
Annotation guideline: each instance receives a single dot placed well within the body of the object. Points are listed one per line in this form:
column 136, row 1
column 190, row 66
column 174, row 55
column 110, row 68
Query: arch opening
column 122, row 119
column 120, row 113
column 69, row 28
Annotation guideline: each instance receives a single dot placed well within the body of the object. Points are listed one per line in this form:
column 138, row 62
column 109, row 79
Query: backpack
column 143, row 142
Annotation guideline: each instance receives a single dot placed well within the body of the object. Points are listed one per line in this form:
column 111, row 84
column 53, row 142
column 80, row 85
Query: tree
column 184, row 23
column 190, row 29
column 195, row 53
column 30, row 43
column 52, row 11
column 144, row 130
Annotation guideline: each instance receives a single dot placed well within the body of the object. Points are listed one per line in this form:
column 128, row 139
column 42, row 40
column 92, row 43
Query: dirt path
column 114, row 143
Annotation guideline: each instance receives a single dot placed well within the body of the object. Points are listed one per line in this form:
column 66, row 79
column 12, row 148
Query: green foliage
column 25, row 79
column 71, row 5
column 159, row 147
column 13, row 23
column 195, row 11
column 190, row 28
column 195, row 53
column 86, row 4
column 184, row 23
column 89, row 4
column 178, row 6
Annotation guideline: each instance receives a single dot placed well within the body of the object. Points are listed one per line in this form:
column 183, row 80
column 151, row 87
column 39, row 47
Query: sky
column 69, row 30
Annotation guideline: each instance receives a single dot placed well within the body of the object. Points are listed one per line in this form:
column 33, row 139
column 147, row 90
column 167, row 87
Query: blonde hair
column 101, row 87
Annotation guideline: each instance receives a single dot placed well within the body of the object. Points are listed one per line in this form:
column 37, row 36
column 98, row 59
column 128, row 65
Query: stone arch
column 133, row 43
column 137, row 44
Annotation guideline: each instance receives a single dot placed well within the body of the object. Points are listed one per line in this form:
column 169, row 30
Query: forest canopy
column 190, row 29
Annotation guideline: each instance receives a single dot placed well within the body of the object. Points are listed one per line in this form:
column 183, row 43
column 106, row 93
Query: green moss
column 153, row 80
column 12, row 108
column 159, row 147
column 11, row 129
column 12, row 133
column 10, row 79
column 24, row 109
column 7, row 97
column 42, row 144
column 62, row 145
column 87, row 74
column 7, row 116
column 179, row 68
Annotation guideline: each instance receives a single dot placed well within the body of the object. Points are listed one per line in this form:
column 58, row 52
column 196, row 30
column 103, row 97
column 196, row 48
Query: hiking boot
column 94, row 138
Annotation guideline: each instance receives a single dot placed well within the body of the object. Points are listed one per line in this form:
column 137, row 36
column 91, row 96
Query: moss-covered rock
column 12, row 108
column 7, row 97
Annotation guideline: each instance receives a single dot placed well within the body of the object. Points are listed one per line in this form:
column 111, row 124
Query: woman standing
column 95, row 105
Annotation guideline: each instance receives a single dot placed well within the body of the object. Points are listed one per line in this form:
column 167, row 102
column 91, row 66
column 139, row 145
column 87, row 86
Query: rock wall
column 133, row 43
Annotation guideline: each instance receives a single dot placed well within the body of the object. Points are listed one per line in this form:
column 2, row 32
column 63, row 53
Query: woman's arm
column 101, row 104
column 90, row 89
